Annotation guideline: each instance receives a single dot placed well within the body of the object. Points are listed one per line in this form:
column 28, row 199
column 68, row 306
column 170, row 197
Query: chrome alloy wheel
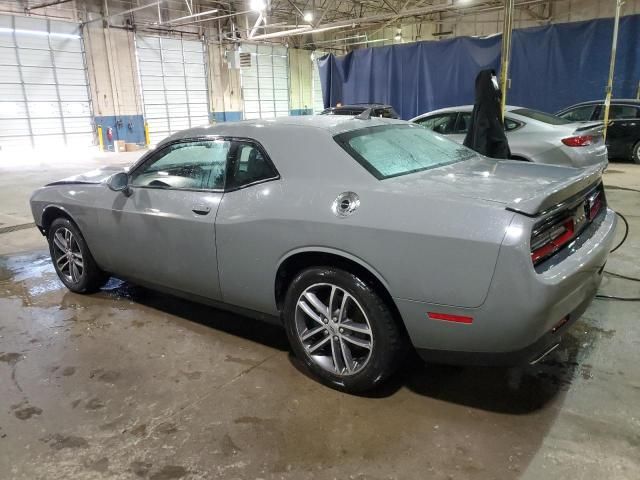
column 67, row 255
column 333, row 329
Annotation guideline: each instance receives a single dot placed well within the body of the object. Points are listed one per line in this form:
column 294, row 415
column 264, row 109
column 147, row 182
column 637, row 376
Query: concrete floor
column 129, row 383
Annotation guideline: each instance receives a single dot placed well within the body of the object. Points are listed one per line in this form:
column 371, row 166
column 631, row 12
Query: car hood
column 94, row 176
column 528, row 188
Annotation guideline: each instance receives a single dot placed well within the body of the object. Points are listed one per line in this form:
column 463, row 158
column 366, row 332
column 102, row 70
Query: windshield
column 540, row 116
column 399, row 149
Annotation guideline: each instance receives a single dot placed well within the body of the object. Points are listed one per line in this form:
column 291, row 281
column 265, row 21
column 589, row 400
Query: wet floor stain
column 58, row 441
column 139, row 430
column 108, row 376
column 94, row 404
column 169, row 472
column 11, row 357
column 140, row 468
column 192, row 375
column 166, row 428
column 101, row 465
column 242, row 361
column 228, row 447
column 24, row 411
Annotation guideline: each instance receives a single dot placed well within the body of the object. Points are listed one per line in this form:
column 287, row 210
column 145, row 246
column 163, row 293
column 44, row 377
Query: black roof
column 614, row 101
column 360, row 107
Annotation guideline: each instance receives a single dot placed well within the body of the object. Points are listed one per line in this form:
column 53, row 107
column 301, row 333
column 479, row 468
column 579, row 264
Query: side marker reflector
column 450, row 318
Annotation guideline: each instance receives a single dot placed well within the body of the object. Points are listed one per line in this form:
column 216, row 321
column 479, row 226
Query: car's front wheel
column 72, row 259
column 341, row 329
column 635, row 153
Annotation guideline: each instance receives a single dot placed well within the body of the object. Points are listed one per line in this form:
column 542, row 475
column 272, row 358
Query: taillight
column 560, row 229
column 578, row 141
column 594, row 204
column 546, row 242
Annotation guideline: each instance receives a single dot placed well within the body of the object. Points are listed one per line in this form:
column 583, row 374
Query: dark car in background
column 623, row 132
column 377, row 110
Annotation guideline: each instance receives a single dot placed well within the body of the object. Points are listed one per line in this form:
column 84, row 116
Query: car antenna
column 366, row 115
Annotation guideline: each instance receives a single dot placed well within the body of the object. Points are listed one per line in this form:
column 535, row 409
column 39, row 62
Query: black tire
column 89, row 278
column 388, row 341
column 635, row 153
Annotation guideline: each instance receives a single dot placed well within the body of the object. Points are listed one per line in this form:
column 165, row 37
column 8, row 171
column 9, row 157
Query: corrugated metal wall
column 265, row 85
column 44, row 99
column 174, row 84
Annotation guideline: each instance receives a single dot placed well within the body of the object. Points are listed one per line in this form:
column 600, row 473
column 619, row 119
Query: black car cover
column 485, row 132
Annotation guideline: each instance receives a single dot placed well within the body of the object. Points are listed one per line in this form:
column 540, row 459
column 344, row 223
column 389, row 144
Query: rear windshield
column 540, row 116
column 392, row 150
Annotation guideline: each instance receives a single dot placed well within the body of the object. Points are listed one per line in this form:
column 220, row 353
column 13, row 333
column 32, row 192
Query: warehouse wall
column 112, row 71
column 225, row 92
column 300, row 82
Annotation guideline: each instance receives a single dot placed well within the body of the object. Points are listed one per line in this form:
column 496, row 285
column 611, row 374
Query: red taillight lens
column 595, row 204
column 548, row 241
column 578, row 141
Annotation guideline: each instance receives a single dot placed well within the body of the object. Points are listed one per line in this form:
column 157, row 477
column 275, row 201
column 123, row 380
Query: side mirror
column 119, row 182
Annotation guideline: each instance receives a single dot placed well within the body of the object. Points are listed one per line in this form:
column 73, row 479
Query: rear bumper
column 528, row 355
column 520, row 318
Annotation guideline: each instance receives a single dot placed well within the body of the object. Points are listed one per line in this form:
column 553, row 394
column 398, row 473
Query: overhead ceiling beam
column 193, row 15
column 389, row 18
column 47, row 4
column 325, row 8
column 256, row 25
column 359, row 20
column 210, row 19
column 131, row 10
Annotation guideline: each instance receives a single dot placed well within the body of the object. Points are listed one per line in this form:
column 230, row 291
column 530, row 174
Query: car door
column 247, row 222
column 163, row 230
column 623, row 130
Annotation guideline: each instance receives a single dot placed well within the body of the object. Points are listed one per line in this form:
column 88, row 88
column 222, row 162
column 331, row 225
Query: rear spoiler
column 559, row 194
column 592, row 127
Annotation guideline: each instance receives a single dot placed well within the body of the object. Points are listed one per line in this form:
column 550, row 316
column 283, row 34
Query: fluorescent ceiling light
column 258, row 5
column 41, row 33
column 308, row 17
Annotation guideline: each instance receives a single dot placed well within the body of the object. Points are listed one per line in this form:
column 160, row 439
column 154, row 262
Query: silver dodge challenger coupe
column 365, row 237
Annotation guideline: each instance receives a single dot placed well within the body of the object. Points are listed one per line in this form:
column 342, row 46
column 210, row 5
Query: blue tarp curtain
column 551, row 67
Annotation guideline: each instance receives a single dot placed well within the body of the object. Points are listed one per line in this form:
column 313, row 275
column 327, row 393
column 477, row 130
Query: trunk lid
column 527, row 188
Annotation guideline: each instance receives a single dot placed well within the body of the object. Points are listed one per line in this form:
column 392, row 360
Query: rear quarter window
column 392, row 150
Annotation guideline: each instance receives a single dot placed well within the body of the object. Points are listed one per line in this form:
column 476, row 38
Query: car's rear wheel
column 341, row 329
column 635, row 153
column 72, row 259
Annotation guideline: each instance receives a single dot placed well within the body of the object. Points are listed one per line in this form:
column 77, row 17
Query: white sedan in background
column 533, row 136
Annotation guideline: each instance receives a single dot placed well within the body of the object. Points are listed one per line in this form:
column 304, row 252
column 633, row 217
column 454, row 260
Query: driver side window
column 197, row 165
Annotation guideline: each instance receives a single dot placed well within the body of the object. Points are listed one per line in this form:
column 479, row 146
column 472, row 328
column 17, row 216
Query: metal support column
column 506, row 52
column 612, row 66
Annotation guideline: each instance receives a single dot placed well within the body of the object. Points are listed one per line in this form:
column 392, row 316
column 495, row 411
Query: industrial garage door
column 265, row 84
column 318, row 103
column 44, row 98
column 174, row 84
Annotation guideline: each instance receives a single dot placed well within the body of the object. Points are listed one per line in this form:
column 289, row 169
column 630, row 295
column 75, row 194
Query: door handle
column 201, row 209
